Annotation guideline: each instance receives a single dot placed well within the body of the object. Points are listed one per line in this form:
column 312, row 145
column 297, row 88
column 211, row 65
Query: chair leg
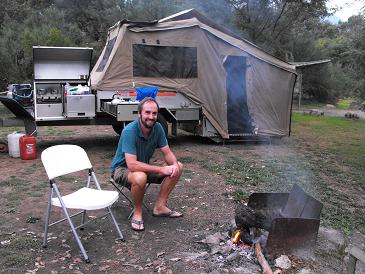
column 116, row 224
column 47, row 218
column 120, row 190
column 144, row 204
column 131, row 214
column 76, row 236
column 83, row 219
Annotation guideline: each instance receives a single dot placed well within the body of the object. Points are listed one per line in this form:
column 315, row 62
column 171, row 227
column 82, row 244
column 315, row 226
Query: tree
column 273, row 23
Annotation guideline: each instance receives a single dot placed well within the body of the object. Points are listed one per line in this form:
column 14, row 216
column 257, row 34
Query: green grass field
column 341, row 137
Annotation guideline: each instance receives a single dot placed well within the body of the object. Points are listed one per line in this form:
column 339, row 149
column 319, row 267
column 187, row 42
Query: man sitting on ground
column 130, row 165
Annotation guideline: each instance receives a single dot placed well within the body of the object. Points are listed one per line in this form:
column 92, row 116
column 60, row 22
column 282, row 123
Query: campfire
column 271, row 224
column 291, row 219
column 236, row 239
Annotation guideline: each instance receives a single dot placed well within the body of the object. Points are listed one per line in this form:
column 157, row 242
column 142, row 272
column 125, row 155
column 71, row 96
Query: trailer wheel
column 3, row 147
column 163, row 123
column 118, row 128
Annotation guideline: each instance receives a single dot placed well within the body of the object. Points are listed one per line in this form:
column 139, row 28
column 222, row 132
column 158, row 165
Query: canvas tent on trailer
column 241, row 89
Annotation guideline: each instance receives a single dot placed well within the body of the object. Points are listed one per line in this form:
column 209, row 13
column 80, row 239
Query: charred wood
column 247, row 217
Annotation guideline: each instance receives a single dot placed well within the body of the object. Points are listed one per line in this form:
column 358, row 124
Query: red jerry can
column 28, row 147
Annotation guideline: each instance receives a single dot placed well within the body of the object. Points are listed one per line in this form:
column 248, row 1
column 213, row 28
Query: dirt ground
column 167, row 245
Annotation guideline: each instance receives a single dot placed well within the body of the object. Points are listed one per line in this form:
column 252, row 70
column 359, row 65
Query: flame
column 237, row 237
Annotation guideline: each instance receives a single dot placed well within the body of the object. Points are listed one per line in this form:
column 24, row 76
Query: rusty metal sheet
column 289, row 234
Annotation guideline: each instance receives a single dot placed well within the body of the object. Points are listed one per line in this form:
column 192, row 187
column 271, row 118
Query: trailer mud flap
column 17, row 109
column 20, row 113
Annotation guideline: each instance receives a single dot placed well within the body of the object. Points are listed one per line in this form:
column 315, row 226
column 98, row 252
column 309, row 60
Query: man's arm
column 134, row 165
column 168, row 155
column 171, row 160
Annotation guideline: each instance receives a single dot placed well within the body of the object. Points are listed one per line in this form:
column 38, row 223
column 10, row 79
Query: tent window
column 162, row 61
column 108, row 50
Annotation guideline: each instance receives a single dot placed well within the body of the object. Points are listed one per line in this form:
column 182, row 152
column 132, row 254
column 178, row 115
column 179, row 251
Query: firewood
column 266, row 269
column 247, row 217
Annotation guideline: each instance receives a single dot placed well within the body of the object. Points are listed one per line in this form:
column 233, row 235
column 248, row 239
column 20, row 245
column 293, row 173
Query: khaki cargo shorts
column 120, row 176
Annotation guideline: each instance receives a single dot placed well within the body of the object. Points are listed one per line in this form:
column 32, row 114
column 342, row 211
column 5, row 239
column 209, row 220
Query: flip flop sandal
column 139, row 223
column 172, row 214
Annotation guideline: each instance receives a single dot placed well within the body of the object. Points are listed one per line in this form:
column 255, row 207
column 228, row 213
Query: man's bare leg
column 167, row 186
column 138, row 181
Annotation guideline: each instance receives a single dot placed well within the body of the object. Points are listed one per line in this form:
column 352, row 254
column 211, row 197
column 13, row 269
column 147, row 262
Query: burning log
column 266, row 269
column 247, row 217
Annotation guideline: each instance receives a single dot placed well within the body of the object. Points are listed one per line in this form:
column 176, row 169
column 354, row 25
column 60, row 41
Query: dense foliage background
column 294, row 31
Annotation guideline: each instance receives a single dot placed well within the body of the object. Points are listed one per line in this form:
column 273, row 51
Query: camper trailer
column 210, row 82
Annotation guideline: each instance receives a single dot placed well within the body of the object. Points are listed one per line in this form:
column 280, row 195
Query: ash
column 223, row 252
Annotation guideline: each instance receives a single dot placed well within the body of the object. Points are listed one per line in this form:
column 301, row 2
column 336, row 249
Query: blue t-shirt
column 133, row 142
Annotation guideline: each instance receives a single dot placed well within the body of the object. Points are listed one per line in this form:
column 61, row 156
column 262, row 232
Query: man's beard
column 147, row 125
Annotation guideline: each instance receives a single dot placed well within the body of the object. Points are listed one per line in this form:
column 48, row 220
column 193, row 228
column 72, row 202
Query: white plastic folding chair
column 65, row 159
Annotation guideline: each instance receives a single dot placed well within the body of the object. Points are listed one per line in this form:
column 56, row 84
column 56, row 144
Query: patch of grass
column 187, row 173
column 240, row 196
column 13, row 199
column 240, row 171
column 68, row 178
column 39, row 189
column 32, row 219
column 338, row 136
column 337, row 149
column 17, row 252
column 24, row 242
column 5, row 131
column 58, row 131
column 19, row 189
column 344, row 103
column 210, row 165
column 15, row 183
column 29, row 170
column 10, row 259
column 309, row 104
column 186, row 160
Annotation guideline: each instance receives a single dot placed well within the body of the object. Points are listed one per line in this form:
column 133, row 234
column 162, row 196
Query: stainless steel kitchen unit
column 56, row 71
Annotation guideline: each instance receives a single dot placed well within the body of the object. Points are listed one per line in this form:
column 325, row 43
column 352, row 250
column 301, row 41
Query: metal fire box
column 296, row 226
column 80, row 105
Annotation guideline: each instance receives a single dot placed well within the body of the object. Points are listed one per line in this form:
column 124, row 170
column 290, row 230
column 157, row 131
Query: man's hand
column 171, row 170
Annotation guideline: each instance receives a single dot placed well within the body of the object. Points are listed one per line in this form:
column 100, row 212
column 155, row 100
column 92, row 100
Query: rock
column 283, row 262
column 220, row 271
column 214, row 239
column 330, row 106
column 351, row 115
column 305, row 271
column 330, row 239
column 215, row 250
column 355, row 105
column 248, row 269
column 233, row 256
column 357, row 238
column 316, row 112
column 191, row 256
column 225, row 249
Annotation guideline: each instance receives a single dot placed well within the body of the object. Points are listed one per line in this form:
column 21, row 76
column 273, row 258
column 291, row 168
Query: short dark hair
column 146, row 100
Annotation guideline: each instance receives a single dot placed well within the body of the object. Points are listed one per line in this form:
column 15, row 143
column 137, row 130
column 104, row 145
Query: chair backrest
column 63, row 159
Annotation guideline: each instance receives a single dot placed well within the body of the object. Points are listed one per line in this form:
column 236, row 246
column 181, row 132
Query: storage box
column 80, row 105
